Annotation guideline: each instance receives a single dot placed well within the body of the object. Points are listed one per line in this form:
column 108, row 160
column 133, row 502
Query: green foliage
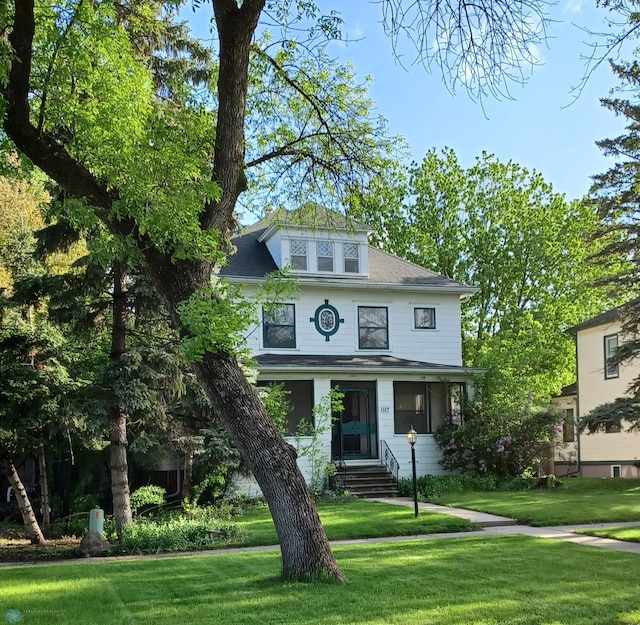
column 502, row 228
column 213, row 319
column 505, row 443
column 178, row 534
column 430, row 487
column 146, row 496
column 623, row 413
column 309, row 443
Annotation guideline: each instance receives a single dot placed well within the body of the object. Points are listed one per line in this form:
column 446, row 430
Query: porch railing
column 389, row 460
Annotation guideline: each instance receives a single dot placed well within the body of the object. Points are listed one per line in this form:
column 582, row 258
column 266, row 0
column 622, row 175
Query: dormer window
column 324, row 251
column 299, row 254
column 351, row 252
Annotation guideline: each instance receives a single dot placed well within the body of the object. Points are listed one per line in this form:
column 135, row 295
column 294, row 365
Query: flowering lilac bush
column 506, row 443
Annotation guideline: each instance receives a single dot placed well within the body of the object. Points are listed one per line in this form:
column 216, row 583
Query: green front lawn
column 578, row 500
column 630, row 534
column 468, row 581
column 354, row 519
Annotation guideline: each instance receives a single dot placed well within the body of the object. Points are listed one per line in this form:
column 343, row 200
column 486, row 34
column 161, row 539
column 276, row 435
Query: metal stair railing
column 389, row 460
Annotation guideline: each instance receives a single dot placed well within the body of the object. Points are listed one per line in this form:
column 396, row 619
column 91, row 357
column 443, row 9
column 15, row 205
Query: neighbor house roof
column 610, row 316
column 569, row 390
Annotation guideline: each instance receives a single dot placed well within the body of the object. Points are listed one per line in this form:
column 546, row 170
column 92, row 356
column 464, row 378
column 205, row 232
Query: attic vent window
column 351, row 257
column 299, row 254
column 324, row 250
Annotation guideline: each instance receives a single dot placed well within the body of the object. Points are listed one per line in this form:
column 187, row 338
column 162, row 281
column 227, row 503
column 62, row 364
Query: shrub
column 490, row 442
column 146, row 496
column 179, row 534
column 432, row 486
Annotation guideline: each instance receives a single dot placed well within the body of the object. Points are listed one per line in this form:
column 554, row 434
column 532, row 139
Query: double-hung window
column 279, row 325
column 298, row 254
column 351, row 254
column 611, row 367
column 373, row 328
column 324, row 253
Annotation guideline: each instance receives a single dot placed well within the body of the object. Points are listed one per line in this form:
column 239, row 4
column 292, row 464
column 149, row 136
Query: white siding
column 442, row 345
column 275, row 246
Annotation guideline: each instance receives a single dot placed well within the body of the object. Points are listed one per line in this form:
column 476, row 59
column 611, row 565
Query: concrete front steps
column 367, row 481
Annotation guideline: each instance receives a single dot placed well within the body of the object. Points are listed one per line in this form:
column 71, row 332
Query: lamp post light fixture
column 412, row 437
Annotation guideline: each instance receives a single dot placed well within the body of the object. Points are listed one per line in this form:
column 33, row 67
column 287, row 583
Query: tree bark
column 44, row 491
column 119, row 465
column 24, row 505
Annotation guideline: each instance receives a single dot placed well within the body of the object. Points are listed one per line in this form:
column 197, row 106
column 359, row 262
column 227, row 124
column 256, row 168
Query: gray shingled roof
column 337, row 362
column 253, row 260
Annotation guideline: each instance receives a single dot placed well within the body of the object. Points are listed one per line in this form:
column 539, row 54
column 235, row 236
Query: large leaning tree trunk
column 306, row 554
column 24, row 505
column 118, row 462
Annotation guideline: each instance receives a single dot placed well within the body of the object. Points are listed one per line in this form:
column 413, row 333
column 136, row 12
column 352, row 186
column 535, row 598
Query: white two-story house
column 384, row 331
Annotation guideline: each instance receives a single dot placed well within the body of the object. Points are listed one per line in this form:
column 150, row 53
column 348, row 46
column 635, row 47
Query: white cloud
column 572, row 6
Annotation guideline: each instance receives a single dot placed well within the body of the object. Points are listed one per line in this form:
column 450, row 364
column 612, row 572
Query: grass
column 576, row 501
column 630, row 534
column 342, row 521
column 511, row 580
column 351, row 520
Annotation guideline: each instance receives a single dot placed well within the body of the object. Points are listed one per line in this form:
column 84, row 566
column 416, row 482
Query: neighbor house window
column 616, row 470
column 424, row 318
column 279, row 326
column 298, row 254
column 298, row 395
column 611, row 369
column 422, row 405
column 373, row 329
column 612, row 428
column 351, row 252
column 324, row 252
column 568, row 427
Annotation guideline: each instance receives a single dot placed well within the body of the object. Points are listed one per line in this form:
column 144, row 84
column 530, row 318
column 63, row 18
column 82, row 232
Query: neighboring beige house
column 609, row 454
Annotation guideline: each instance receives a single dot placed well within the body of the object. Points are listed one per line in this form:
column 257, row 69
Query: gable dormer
column 314, row 241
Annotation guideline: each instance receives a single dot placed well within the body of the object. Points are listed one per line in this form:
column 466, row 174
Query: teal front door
column 352, row 430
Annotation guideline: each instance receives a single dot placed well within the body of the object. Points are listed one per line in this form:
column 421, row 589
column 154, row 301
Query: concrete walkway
column 478, row 518
column 493, row 525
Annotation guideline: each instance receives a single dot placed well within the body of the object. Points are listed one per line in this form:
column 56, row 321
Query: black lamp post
column 412, row 437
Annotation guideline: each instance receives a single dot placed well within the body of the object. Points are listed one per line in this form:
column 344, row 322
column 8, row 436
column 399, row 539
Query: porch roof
column 284, row 362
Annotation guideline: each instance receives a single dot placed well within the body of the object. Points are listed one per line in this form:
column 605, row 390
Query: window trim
column 265, row 345
column 386, row 309
column 421, row 328
column 609, row 372
column 616, row 466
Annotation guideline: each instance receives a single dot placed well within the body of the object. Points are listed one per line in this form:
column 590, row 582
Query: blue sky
column 542, row 128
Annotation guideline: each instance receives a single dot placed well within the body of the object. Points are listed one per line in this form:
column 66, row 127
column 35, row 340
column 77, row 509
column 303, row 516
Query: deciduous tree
column 503, row 229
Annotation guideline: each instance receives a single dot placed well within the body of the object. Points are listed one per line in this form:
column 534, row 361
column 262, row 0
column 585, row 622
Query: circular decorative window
column 327, row 320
